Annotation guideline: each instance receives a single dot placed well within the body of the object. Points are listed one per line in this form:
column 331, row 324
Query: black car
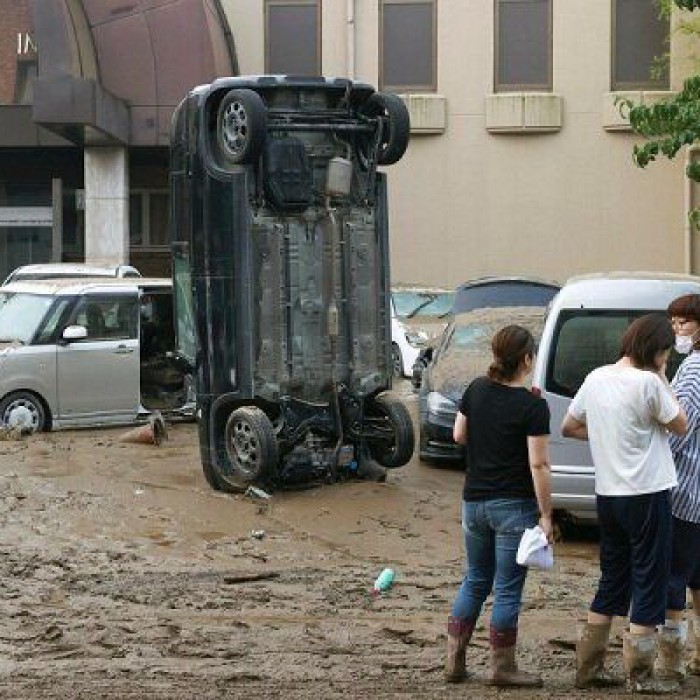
column 280, row 264
column 464, row 352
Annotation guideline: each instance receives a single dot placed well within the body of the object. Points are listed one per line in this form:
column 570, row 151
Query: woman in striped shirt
column 684, row 313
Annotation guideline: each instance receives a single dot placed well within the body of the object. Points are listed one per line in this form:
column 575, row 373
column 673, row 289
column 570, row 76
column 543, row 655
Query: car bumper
column 573, row 491
column 436, row 441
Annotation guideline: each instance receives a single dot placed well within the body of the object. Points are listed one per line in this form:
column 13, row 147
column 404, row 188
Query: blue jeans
column 492, row 534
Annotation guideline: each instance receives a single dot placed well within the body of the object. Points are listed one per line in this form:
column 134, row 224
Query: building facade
column 87, row 90
column 519, row 160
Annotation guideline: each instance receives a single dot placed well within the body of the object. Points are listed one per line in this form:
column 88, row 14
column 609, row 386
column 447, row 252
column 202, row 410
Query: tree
column 673, row 123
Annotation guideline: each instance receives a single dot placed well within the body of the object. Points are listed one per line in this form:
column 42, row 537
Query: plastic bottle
column 384, row 581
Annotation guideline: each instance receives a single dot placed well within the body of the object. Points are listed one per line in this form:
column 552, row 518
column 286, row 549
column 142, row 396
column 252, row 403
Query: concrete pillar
column 106, row 205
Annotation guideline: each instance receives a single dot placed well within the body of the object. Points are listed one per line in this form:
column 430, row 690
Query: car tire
column 241, row 127
column 251, row 447
column 396, row 361
column 399, row 450
column 30, row 405
column 396, row 129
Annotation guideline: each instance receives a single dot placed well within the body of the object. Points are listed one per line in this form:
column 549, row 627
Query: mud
column 125, row 576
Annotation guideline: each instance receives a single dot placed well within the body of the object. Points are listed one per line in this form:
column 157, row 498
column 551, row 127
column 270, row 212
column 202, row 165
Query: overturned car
column 281, row 277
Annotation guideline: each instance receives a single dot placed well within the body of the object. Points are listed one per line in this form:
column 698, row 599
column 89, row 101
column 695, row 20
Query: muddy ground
column 123, row 575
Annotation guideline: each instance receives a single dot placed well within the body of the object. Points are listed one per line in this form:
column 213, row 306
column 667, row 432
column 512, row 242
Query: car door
column 98, row 378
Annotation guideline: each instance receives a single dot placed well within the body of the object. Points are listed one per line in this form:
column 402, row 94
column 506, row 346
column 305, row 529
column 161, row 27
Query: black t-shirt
column 499, row 420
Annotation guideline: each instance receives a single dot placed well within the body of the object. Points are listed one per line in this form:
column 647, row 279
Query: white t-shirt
column 624, row 408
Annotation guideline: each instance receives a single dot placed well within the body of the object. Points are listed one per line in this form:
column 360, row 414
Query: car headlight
column 441, row 405
column 416, row 338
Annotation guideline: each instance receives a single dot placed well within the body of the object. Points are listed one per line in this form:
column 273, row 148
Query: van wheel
column 251, row 446
column 23, row 410
column 392, row 440
column 396, row 361
column 396, row 129
column 241, row 127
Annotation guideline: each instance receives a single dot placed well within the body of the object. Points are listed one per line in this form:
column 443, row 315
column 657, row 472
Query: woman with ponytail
column 505, row 429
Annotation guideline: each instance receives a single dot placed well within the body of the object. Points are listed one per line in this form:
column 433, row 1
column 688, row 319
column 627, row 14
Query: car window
column 502, row 294
column 184, row 304
column 55, row 318
column 440, row 305
column 584, row 340
column 108, row 318
column 21, row 315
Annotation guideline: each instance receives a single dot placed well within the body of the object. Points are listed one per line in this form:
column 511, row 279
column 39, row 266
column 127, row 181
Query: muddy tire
column 394, row 446
column 396, row 361
column 241, row 127
column 396, row 129
column 251, row 446
column 25, row 408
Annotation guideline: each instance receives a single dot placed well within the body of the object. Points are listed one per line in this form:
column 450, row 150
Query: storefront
column 86, row 94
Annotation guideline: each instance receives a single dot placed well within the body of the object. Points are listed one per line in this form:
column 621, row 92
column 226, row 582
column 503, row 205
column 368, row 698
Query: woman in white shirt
column 625, row 410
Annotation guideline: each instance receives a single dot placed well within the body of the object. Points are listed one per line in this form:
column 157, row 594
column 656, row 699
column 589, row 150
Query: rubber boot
column 694, row 665
column 459, row 633
column 638, row 657
column 504, row 669
column 669, row 662
column 590, row 658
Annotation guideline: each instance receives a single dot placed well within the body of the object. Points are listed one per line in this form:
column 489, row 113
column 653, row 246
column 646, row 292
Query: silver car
column 48, row 271
column 79, row 352
column 583, row 331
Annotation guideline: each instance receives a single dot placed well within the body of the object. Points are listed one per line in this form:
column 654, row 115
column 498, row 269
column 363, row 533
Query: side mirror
column 73, row 333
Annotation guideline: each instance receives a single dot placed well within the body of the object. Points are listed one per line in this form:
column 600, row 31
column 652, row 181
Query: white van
column 583, row 330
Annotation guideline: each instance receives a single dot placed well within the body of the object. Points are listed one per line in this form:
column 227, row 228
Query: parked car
column 418, row 317
column 464, row 353
column 49, row 271
column 583, row 331
column 489, row 292
column 75, row 352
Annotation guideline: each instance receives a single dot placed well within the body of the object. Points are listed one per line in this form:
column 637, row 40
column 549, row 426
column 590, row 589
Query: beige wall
column 467, row 202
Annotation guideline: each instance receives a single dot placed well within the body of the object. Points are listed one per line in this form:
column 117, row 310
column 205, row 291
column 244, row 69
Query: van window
column 584, row 340
column 108, row 318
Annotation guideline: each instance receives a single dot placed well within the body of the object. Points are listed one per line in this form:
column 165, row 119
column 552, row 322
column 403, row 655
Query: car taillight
column 536, row 391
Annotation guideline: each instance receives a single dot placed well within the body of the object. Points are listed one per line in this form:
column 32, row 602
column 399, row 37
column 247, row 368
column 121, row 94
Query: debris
column 248, row 578
column 255, row 492
column 257, row 534
column 384, row 581
column 152, row 433
column 12, row 433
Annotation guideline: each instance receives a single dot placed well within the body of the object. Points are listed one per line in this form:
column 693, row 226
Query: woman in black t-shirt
column 505, row 429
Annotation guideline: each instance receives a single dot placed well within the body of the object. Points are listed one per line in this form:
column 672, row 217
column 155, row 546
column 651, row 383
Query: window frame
column 319, row 33
column 620, row 86
column 414, row 88
column 145, row 194
column 506, row 87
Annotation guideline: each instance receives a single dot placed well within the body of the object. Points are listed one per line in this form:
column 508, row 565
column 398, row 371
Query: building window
column 148, row 219
column 523, row 45
column 293, row 37
column 640, row 42
column 407, row 40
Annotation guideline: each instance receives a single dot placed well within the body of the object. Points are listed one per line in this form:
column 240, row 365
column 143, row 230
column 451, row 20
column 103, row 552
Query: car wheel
column 395, row 133
column 393, row 439
column 241, row 127
column 23, row 410
column 251, row 446
column 396, row 361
